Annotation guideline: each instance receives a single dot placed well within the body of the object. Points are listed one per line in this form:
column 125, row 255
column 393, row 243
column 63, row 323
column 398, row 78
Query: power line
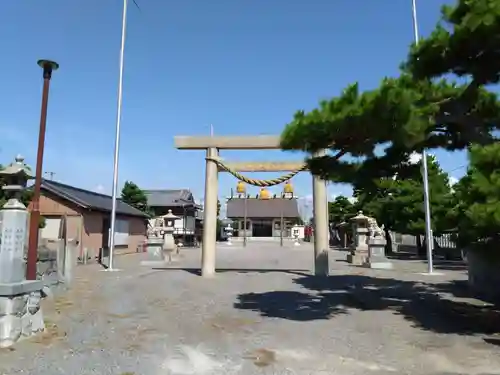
column 137, row 5
column 457, row 168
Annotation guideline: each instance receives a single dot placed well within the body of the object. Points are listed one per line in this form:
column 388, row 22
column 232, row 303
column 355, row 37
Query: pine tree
column 397, row 202
column 341, row 210
column 370, row 134
column 134, row 196
column 477, row 201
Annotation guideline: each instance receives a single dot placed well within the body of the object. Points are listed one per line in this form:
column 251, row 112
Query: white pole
column 117, row 138
column 425, row 175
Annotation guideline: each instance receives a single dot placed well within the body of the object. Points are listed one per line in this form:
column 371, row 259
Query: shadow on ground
column 492, row 341
column 197, row 271
column 432, row 307
column 440, row 263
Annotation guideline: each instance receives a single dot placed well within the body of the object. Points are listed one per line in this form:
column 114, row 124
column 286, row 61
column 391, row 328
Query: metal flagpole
column 425, row 176
column 117, row 138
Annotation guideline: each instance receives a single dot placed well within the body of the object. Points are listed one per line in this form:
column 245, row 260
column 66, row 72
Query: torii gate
column 212, row 145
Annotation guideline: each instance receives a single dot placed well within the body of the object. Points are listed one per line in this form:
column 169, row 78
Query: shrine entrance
column 214, row 164
column 262, row 228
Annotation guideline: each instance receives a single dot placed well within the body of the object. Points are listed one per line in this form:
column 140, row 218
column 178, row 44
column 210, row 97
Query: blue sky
column 243, row 66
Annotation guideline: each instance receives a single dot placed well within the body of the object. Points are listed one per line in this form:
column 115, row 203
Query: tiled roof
column 263, row 208
column 169, row 198
column 89, row 199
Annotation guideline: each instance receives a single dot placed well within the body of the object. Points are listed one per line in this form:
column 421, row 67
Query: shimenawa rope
column 256, row 182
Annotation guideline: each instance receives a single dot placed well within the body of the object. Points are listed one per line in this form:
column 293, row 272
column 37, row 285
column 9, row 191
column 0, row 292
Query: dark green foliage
column 369, row 134
column 398, row 203
column 340, row 210
column 134, row 196
column 25, row 198
column 218, row 208
column 477, row 200
column 218, row 229
column 465, row 43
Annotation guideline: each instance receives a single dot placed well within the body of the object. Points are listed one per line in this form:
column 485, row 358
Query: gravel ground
column 262, row 314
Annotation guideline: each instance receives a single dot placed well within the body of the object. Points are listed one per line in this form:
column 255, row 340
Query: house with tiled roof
column 88, row 218
column 188, row 226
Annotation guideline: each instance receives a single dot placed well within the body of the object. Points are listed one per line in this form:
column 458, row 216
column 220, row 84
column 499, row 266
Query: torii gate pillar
column 321, row 243
column 212, row 145
column 208, row 252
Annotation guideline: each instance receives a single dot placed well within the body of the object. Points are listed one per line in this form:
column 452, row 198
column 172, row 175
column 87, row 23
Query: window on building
column 121, row 233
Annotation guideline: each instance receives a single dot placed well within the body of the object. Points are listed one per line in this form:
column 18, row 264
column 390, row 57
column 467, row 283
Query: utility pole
column 48, row 67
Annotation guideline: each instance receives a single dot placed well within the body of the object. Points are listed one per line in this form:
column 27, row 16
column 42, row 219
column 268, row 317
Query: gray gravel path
column 262, row 314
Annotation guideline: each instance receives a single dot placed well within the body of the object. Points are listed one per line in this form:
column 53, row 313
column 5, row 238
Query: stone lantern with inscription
column 14, row 222
column 20, row 312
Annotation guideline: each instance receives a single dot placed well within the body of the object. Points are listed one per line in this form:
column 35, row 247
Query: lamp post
column 281, row 219
column 425, row 175
column 287, row 193
column 241, row 189
column 184, row 224
column 48, row 67
column 245, row 213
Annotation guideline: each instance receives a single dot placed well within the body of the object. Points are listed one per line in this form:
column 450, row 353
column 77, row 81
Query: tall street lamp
column 48, row 67
column 425, row 175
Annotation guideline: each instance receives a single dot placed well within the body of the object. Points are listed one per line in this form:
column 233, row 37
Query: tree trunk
column 388, row 238
column 420, row 248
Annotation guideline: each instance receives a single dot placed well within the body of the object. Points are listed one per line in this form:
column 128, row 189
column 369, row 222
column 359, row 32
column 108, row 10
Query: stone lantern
column 14, row 223
column 16, row 175
column 296, row 235
column 168, row 236
column 229, row 233
column 359, row 249
column 20, row 311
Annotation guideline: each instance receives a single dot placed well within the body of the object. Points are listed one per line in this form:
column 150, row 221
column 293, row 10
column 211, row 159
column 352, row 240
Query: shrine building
column 264, row 214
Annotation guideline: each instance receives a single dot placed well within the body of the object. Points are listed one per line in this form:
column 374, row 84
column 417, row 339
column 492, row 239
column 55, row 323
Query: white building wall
column 189, row 222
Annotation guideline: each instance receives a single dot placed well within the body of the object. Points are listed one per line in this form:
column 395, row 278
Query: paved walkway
column 262, row 314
